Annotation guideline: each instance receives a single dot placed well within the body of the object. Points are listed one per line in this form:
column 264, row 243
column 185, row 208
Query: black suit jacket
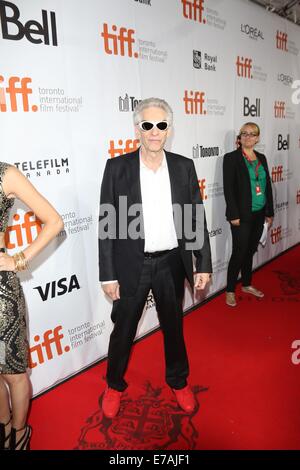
column 122, row 259
column 237, row 186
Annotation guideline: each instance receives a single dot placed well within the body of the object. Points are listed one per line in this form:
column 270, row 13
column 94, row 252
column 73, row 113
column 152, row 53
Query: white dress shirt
column 159, row 228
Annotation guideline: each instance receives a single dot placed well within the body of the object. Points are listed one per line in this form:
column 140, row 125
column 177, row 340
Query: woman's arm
column 15, row 184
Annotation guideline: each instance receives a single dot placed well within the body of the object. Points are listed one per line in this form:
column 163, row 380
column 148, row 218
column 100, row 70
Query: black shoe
column 24, row 442
column 4, row 439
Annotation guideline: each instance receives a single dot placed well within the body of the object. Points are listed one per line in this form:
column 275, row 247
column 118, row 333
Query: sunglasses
column 148, row 125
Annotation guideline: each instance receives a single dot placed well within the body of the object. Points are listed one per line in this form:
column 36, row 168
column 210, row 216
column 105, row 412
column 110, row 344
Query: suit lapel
column 174, row 176
column 133, row 177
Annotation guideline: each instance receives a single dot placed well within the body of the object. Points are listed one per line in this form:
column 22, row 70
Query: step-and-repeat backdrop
column 71, row 73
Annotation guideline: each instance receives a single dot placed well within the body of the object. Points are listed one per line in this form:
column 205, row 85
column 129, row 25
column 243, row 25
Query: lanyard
column 251, row 161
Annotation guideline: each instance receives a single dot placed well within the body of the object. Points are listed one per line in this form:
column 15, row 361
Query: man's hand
column 201, row 279
column 235, row 222
column 112, row 289
column 269, row 221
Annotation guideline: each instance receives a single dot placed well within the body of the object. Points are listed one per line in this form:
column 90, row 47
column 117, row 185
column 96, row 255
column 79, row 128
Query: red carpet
column 241, row 370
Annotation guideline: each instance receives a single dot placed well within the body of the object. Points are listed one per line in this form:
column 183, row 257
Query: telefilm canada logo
column 15, row 28
column 45, row 167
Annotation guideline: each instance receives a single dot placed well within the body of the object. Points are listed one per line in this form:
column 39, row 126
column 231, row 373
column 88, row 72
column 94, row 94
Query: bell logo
column 121, row 43
column 283, row 144
column 14, row 235
column 16, row 87
column 298, row 197
column 277, row 174
column 243, row 67
column 202, row 187
column 129, row 146
column 45, row 349
column 276, row 235
column 279, row 109
column 281, row 41
column 194, row 104
column 60, row 287
column 253, row 109
column 35, row 32
column 193, row 10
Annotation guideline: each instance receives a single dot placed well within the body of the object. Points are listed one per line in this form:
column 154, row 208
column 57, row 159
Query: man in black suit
column 151, row 221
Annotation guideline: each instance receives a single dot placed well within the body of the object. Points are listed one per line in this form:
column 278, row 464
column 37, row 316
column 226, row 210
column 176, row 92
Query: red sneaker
column 111, row 402
column 185, row 399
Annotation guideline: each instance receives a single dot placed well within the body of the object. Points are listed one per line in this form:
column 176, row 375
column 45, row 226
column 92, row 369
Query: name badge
column 258, row 190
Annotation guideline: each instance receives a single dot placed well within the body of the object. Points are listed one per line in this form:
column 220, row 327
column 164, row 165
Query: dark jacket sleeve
column 230, row 185
column 202, row 255
column 107, row 227
column 269, row 212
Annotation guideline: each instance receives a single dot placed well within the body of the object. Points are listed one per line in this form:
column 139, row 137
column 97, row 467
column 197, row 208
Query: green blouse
column 258, row 185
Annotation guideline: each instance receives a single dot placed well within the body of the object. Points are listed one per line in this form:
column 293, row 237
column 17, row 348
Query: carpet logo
column 127, row 146
column 120, row 39
column 21, row 234
column 47, row 348
column 37, row 33
column 147, row 423
column 289, row 283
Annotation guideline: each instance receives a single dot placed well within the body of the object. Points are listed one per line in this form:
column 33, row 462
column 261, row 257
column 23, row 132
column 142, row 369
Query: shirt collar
column 162, row 166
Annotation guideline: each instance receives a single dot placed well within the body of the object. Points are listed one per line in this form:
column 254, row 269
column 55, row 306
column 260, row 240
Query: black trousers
column 165, row 276
column 245, row 239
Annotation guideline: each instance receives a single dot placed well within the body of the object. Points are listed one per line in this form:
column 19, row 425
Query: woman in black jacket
column 249, row 203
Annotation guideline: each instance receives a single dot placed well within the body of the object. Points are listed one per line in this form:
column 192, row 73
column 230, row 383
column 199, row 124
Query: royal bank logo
column 14, row 28
column 252, row 32
column 128, row 103
column 204, row 61
column 203, row 152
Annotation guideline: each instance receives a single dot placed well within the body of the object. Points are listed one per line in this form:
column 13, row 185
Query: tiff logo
column 276, row 235
column 194, row 104
column 202, row 187
column 279, row 109
column 193, row 10
column 44, row 349
column 277, row 172
column 60, row 287
column 35, row 32
column 281, row 41
column 298, row 197
column 130, row 145
column 122, row 43
column 283, row 144
column 253, row 109
column 14, row 235
column 128, row 103
column 243, row 67
column 16, row 87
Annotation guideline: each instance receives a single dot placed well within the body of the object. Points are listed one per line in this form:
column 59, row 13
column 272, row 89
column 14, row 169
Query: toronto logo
column 149, row 422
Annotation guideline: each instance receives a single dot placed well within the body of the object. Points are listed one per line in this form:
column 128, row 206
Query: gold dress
column 13, row 337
